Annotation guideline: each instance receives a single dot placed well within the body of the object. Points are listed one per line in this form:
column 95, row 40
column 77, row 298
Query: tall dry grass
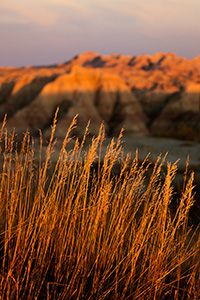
column 72, row 231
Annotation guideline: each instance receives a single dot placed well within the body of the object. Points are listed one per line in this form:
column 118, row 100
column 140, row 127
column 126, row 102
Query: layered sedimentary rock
column 157, row 95
column 93, row 94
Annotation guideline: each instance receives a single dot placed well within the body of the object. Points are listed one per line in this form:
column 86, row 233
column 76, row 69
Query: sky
column 43, row 32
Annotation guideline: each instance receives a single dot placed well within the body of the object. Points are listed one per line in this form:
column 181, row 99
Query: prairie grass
column 70, row 230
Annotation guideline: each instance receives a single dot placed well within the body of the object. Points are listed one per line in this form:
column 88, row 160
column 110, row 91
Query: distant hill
column 155, row 95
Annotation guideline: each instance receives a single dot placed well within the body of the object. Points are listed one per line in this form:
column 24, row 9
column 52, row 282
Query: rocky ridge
column 155, row 95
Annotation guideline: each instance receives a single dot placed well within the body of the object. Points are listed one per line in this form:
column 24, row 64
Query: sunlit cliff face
column 149, row 95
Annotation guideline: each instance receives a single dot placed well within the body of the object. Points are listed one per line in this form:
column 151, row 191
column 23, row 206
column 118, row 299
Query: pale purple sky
column 42, row 32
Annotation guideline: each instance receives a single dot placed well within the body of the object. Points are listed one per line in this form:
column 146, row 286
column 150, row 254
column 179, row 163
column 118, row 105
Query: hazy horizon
column 51, row 31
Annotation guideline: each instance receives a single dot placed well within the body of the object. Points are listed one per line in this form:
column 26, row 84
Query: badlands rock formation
column 155, row 95
column 93, row 94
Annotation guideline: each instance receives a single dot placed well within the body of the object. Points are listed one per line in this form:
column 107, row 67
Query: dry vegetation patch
column 69, row 231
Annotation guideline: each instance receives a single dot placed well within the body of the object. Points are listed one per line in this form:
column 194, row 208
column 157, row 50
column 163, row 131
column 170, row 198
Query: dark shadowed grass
column 69, row 231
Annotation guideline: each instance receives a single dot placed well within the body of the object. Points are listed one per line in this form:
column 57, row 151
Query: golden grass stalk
column 75, row 230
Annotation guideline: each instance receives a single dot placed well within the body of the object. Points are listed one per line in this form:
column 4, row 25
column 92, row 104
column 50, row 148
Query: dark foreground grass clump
column 68, row 231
